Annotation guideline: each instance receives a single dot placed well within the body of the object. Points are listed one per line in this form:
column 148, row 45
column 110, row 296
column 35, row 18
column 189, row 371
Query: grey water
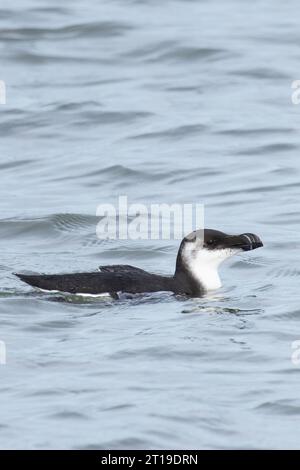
column 177, row 102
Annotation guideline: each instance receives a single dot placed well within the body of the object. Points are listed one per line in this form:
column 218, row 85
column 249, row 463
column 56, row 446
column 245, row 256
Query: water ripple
column 87, row 30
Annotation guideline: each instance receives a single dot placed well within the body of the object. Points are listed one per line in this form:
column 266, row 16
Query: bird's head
column 202, row 251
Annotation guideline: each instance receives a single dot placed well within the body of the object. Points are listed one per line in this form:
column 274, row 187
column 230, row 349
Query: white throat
column 203, row 264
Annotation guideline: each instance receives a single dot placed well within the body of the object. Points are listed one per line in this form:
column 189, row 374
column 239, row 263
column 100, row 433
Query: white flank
column 104, row 294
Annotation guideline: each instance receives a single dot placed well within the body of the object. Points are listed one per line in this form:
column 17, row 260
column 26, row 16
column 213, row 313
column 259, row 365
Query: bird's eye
column 210, row 242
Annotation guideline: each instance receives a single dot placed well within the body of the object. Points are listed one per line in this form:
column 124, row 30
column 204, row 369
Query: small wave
column 189, row 54
column 18, row 125
column 51, row 325
column 73, row 222
column 252, row 262
column 283, row 272
column 122, row 175
column 118, row 171
column 117, row 444
column 256, row 131
column 267, row 149
column 49, row 226
column 289, row 315
column 73, row 115
column 34, row 58
column 47, row 9
column 281, row 407
column 14, row 164
column 257, row 190
column 69, row 415
column 219, row 309
column 73, row 106
column 17, row 227
column 99, row 29
column 110, row 117
column 266, row 73
column 174, row 133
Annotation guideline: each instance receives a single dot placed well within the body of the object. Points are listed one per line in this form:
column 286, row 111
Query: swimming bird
column 199, row 257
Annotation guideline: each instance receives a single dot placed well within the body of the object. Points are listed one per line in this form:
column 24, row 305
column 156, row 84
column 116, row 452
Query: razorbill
column 199, row 256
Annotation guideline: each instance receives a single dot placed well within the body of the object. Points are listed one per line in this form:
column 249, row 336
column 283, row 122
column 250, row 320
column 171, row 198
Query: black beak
column 246, row 241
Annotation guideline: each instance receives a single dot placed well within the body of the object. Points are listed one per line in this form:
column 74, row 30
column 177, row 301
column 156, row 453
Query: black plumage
column 129, row 279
